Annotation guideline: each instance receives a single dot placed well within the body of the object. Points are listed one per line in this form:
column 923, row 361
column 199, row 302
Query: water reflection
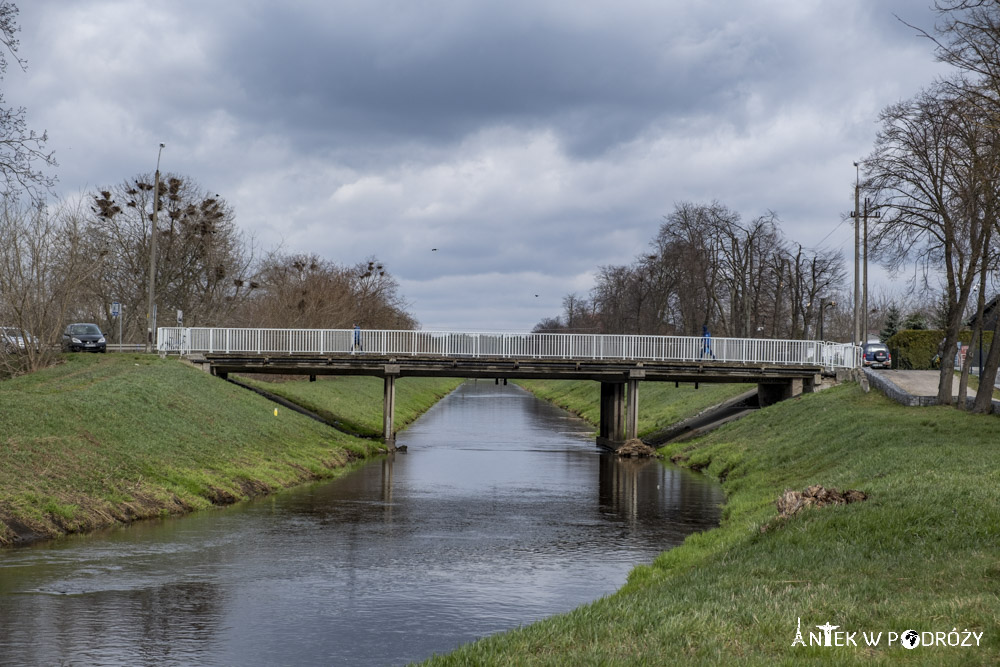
column 501, row 512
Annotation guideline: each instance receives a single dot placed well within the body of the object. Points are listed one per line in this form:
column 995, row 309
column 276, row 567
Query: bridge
column 780, row 368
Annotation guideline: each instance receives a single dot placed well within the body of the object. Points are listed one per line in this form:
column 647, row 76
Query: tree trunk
column 977, row 335
column 963, row 382
column 988, row 375
column 946, row 379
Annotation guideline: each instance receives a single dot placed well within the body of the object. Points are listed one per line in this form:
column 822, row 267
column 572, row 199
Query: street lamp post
column 823, row 305
column 151, row 302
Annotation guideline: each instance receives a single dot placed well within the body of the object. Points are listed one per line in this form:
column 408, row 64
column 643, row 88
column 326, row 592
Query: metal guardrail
column 186, row 340
column 126, row 347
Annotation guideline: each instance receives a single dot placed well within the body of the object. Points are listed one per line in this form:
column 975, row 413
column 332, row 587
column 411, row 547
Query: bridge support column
column 612, row 415
column 632, row 415
column 389, row 405
column 769, row 394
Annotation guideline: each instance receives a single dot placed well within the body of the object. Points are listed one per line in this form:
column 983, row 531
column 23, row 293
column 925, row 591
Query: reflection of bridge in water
column 780, row 368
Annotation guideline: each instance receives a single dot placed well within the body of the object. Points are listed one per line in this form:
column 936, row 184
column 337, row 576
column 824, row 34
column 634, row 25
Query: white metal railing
column 508, row 345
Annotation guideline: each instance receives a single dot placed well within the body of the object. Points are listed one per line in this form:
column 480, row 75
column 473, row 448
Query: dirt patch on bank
column 792, row 502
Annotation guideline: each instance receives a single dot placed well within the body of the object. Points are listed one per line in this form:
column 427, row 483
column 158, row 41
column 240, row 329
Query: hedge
column 916, row 349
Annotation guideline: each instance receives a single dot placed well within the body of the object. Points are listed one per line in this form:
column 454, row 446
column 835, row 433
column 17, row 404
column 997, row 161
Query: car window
column 84, row 329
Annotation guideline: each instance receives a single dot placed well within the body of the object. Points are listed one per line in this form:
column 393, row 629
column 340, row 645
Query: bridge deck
column 602, row 370
column 434, row 349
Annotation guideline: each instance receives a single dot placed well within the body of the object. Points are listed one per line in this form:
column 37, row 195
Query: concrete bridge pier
column 632, row 416
column 619, row 412
column 389, row 405
column 610, row 432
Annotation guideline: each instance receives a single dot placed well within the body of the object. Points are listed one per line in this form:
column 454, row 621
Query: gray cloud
column 531, row 141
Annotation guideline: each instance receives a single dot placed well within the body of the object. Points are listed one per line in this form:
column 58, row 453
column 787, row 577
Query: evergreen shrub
column 914, row 349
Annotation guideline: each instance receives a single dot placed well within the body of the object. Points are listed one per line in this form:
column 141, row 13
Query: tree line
column 67, row 262
column 707, row 269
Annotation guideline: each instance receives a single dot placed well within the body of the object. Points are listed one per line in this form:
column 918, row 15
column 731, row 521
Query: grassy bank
column 922, row 553
column 356, row 402
column 102, row 439
column 661, row 404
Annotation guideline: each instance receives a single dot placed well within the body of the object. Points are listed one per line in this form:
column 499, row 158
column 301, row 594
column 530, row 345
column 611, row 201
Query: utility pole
column 151, row 302
column 868, row 213
column 857, row 251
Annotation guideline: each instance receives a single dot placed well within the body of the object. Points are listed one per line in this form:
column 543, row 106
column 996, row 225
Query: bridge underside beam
column 597, row 370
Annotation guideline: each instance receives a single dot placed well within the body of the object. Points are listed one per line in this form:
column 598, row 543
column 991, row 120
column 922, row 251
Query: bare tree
column 688, row 240
column 22, row 150
column 609, row 296
column 203, row 261
column 305, row 291
column 707, row 268
column 816, row 275
column 44, row 265
column 549, row 325
column 932, row 168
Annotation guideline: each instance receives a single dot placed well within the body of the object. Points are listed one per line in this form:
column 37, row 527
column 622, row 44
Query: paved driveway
column 918, row 383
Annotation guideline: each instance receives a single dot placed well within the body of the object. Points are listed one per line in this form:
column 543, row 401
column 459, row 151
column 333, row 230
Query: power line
column 819, row 245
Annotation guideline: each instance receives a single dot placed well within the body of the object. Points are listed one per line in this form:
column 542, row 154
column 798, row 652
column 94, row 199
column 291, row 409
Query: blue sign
column 116, row 309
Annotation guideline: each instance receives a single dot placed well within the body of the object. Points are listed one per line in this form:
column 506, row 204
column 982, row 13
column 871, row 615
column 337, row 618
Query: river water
column 501, row 512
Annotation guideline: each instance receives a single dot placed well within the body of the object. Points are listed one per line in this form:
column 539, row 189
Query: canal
column 501, row 512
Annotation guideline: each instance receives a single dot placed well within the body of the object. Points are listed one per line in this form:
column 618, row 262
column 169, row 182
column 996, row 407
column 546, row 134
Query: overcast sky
column 530, row 142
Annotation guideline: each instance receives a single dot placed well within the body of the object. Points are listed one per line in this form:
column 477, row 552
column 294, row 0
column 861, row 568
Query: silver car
column 15, row 339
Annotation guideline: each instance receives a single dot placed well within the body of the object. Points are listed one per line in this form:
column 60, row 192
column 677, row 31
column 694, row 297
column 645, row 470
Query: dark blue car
column 83, row 337
column 877, row 355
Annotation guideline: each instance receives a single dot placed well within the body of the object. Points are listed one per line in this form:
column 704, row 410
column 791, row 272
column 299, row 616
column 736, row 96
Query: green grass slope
column 356, row 402
column 922, row 552
column 102, row 439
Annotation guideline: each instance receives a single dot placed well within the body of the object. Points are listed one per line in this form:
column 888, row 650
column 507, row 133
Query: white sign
column 116, row 309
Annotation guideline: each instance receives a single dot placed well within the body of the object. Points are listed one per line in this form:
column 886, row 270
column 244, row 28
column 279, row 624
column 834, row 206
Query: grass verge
column 922, row 553
column 356, row 402
column 105, row 439
column 661, row 404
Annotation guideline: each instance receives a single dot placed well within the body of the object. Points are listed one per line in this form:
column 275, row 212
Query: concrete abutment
column 773, row 392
